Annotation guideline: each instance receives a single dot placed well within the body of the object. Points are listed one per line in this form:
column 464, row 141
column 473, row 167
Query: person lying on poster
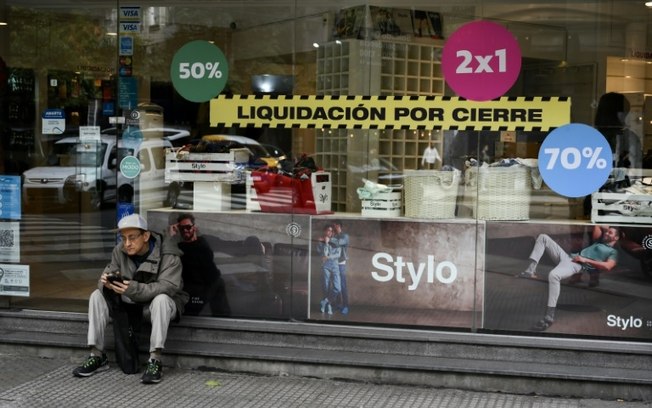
column 201, row 277
column 601, row 255
column 341, row 239
column 594, row 274
column 330, row 255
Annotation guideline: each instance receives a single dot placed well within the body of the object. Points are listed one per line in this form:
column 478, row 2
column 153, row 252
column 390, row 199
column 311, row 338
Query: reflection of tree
column 43, row 39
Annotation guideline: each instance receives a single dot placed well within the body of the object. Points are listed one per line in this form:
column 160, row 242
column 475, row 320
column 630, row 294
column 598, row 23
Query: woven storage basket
column 431, row 193
column 499, row 193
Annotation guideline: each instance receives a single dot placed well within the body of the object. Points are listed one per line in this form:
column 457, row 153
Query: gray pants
column 565, row 266
column 161, row 311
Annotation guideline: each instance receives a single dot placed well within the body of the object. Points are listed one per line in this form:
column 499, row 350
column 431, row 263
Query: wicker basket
column 431, row 193
column 499, row 193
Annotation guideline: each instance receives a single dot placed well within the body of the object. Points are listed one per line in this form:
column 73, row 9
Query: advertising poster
column 390, row 21
column 262, row 259
column 612, row 299
column 350, row 23
column 396, row 272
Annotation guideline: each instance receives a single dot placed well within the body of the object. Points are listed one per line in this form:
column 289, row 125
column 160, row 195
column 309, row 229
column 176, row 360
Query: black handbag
column 127, row 322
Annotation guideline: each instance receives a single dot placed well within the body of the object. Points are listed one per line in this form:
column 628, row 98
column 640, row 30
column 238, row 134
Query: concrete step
column 482, row 362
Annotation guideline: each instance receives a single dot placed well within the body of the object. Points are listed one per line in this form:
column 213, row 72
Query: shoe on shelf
column 92, row 365
column 345, row 310
column 543, row 324
column 322, row 305
column 153, row 373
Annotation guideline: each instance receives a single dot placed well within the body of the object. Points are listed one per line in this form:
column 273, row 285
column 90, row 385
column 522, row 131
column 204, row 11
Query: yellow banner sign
column 389, row 112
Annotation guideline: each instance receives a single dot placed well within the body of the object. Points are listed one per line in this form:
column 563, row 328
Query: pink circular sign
column 481, row 61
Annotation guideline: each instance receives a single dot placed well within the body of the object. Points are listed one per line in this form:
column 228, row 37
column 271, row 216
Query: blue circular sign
column 575, row 160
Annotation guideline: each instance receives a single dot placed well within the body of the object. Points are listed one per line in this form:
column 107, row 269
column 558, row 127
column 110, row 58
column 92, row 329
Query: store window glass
column 309, row 208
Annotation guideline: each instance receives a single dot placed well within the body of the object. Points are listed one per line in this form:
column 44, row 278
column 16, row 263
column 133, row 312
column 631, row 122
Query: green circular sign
column 199, row 71
column 130, row 167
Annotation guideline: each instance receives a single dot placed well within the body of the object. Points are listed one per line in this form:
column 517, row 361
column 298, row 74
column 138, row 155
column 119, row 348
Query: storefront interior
column 96, row 66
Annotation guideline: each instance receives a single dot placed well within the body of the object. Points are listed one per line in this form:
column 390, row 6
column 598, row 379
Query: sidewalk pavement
column 34, row 382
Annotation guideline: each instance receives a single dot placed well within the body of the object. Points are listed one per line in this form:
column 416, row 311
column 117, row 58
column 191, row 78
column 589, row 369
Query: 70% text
column 571, row 158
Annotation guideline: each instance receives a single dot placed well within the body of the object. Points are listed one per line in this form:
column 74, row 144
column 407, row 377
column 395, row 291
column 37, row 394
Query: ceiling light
column 648, row 3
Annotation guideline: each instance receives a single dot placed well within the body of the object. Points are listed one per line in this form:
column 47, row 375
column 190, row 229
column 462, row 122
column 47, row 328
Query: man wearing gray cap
column 144, row 272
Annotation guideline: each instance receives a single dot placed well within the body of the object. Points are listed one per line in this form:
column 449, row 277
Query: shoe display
column 153, row 373
column 329, row 309
column 92, row 365
column 322, row 305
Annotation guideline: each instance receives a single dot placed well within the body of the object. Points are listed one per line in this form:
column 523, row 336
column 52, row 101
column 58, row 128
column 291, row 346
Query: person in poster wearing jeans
column 601, row 255
column 341, row 240
column 330, row 255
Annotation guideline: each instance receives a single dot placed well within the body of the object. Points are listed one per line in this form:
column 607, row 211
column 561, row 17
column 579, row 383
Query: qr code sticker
column 7, row 238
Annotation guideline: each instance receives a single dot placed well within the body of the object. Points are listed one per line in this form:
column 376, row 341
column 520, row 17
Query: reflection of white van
column 90, row 169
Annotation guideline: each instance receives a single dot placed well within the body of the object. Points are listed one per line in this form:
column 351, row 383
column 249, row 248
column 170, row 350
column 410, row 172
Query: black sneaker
column 153, row 372
column 92, row 365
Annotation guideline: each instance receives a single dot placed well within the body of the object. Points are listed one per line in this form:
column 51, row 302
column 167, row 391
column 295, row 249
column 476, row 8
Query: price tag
column 481, row 61
column 199, row 71
column 575, row 160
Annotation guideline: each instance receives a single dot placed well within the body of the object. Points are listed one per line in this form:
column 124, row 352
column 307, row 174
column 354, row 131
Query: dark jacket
column 199, row 270
column 159, row 273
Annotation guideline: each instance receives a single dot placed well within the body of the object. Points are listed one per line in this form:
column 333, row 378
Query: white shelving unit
column 375, row 67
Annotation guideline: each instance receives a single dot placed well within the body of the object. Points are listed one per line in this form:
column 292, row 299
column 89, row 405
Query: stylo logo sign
column 624, row 323
column 388, row 269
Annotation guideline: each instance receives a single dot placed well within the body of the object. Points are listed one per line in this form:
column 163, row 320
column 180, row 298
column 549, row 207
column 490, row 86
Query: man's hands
column 116, row 286
column 579, row 259
column 606, row 266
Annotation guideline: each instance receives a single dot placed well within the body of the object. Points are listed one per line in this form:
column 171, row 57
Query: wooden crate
column 221, row 167
column 385, row 204
column 621, row 208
